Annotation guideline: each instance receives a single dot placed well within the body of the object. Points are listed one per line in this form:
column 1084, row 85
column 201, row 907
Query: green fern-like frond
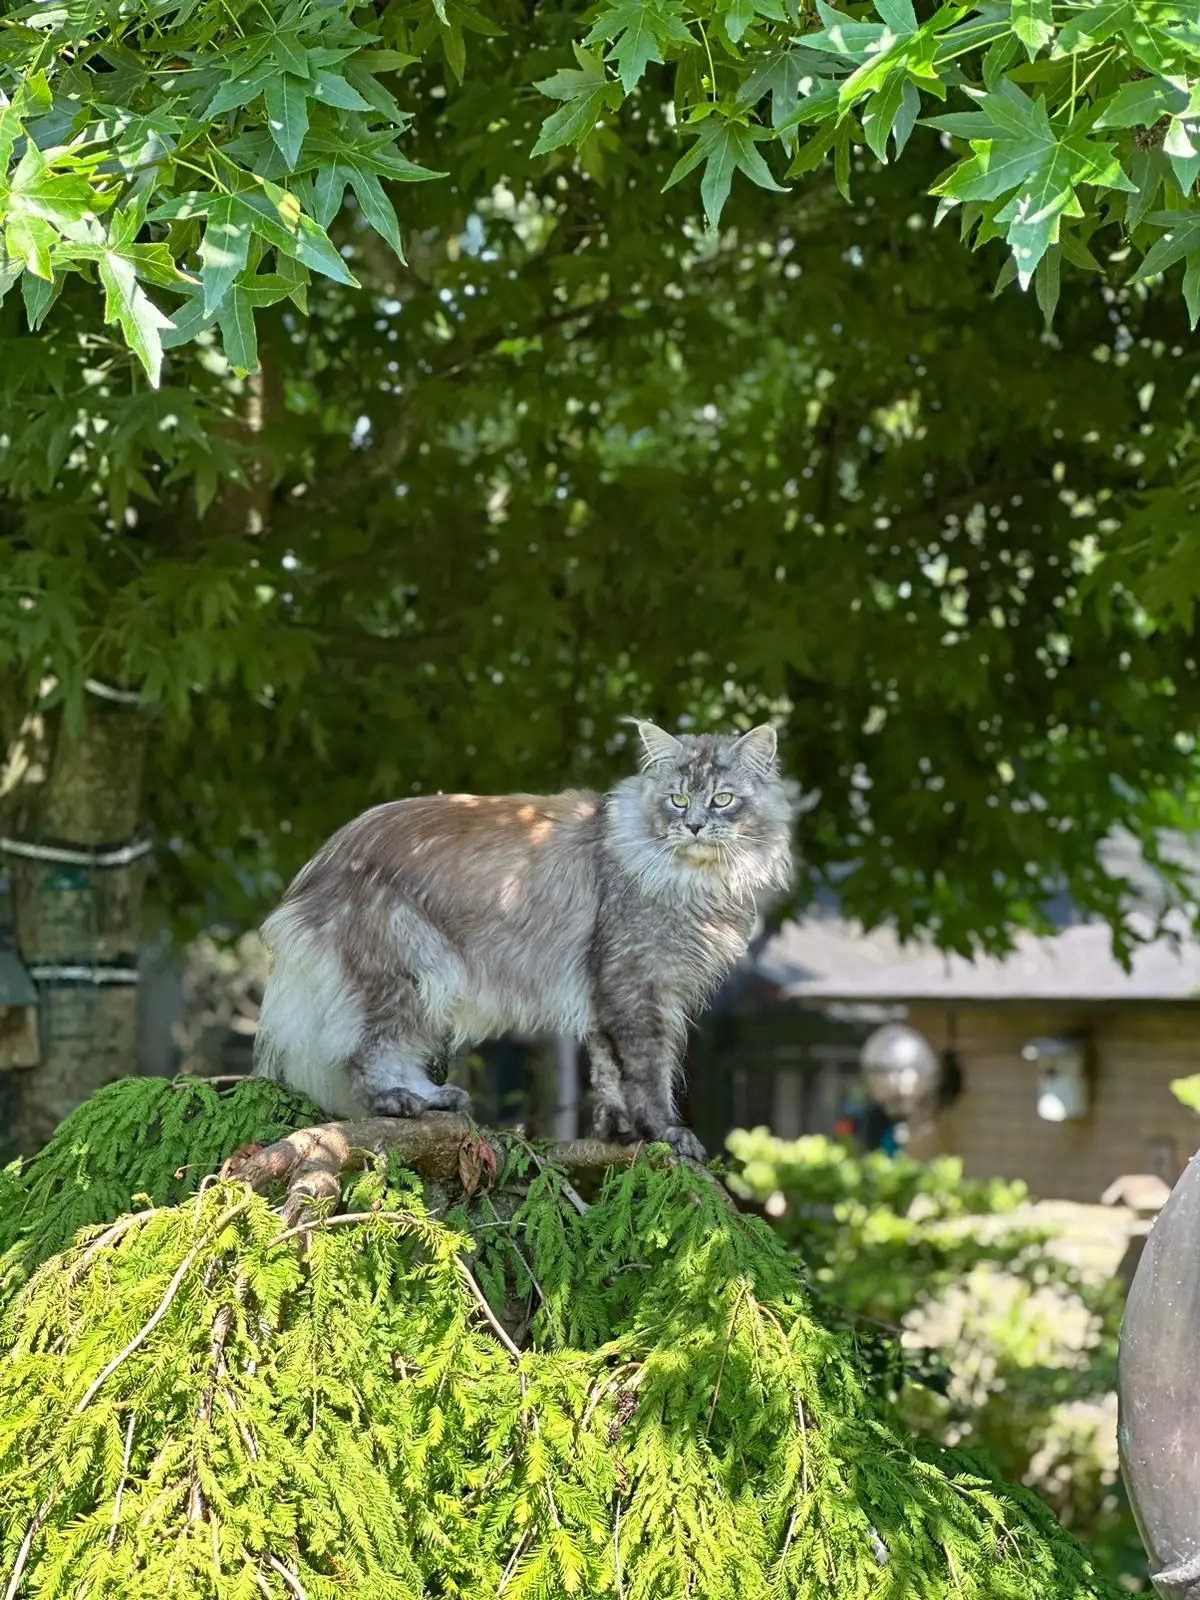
column 192, row 1403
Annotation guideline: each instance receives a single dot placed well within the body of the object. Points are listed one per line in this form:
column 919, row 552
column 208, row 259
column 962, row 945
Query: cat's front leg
column 610, row 1117
column 645, row 1044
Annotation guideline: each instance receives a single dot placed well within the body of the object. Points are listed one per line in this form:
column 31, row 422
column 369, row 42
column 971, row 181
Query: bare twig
column 529, row 1534
column 316, row 1224
column 571, row 1193
column 112, row 1535
column 108, row 1237
column 497, row 1326
column 401, row 1216
column 31, row 1533
column 248, row 1439
column 737, row 1306
column 164, row 1306
column 289, row 1577
column 617, row 1550
column 791, row 1529
column 222, row 1323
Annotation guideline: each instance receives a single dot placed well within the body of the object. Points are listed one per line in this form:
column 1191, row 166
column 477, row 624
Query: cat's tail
column 311, row 1021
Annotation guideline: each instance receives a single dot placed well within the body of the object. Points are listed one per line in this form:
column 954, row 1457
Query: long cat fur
column 430, row 924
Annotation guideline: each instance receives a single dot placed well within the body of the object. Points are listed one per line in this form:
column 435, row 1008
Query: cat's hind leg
column 393, row 1079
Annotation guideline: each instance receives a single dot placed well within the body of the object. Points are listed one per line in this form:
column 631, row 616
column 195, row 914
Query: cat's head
column 714, row 801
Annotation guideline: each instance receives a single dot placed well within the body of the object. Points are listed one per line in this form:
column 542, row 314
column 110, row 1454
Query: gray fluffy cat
column 430, row 924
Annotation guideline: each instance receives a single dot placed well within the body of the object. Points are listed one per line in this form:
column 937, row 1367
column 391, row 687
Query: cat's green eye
column 724, row 798
column 680, row 802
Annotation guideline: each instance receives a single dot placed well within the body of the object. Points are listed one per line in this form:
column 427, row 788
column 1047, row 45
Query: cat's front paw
column 684, row 1143
column 448, row 1097
column 407, row 1103
column 397, row 1103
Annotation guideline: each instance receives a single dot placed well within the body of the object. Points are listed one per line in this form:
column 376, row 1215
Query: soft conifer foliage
column 426, row 1395
column 140, row 1140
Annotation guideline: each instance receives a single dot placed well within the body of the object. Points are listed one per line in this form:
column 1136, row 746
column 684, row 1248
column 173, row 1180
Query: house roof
column 828, row 958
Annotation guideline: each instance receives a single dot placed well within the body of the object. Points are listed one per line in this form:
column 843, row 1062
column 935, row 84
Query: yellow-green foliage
column 1017, row 1350
column 195, row 1403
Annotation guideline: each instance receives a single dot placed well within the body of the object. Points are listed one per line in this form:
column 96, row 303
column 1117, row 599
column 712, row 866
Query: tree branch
column 310, row 1157
column 408, row 649
column 311, row 1161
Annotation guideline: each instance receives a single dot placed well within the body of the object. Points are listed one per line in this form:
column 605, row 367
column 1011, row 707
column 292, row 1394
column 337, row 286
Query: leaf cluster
column 194, row 150
column 579, row 456
column 1075, row 126
column 1006, row 1346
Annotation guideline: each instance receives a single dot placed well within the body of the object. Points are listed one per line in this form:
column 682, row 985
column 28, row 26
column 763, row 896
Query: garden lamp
column 1158, row 1386
column 900, row 1069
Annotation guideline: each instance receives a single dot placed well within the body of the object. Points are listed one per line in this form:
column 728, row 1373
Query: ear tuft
column 757, row 749
column 657, row 744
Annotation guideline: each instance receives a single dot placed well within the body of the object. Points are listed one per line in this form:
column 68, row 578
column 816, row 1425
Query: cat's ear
column 657, row 744
column 757, row 749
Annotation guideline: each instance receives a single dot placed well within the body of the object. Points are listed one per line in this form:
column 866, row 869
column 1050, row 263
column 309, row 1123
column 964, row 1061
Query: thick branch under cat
column 428, row 925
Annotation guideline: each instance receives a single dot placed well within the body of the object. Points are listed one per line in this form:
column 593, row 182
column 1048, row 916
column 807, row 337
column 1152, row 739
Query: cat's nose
column 694, row 827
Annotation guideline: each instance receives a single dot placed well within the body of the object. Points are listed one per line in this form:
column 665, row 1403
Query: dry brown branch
column 306, row 1159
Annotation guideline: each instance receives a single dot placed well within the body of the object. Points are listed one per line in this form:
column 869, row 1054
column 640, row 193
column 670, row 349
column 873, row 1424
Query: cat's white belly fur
column 314, row 1018
column 496, row 1009
column 498, row 989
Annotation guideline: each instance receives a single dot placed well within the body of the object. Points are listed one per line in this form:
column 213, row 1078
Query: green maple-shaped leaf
column 586, row 94
column 1179, row 242
column 843, row 35
column 639, row 32
column 1019, row 154
column 1092, row 25
column 239, row 338
column 891, row 112
column 1033, row 24
column 127, row 304
column 240, row 89
column 1181, row 146
column 725, row 148
column 374, row 204
column 223, row 249
column 1035, row 213
column 1141, row 103
column 286, row 101
column 803, row 87
column 741, row 14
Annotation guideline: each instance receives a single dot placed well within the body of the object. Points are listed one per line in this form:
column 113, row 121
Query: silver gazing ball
column 900, row 1067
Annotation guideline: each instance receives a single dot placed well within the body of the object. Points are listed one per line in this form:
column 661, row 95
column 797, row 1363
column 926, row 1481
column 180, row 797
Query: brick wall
column 1135, row 1123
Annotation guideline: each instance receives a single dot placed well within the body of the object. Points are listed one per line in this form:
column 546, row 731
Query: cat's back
column 459, row 850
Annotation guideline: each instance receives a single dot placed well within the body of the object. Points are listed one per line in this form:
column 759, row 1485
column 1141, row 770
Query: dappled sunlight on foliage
column 995, row 1340
column 194, row 1389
